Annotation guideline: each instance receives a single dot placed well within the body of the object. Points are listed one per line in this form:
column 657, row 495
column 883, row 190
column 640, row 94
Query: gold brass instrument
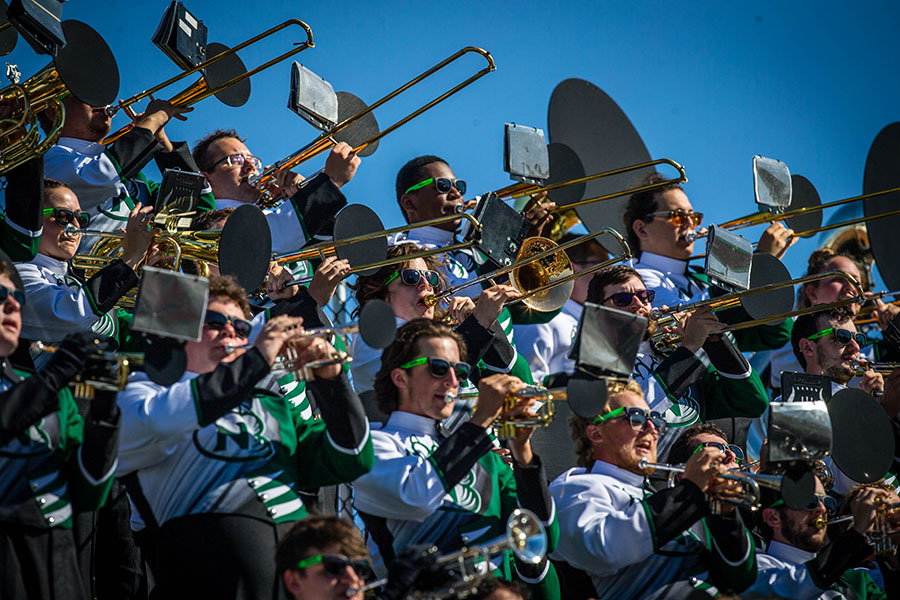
column 200, row 90
column 288, row 360
column 861, row 319
column 541, row 266
column 525, row 536
column 881, row 535
column 860, row 366
column 749, row 496
column 326, row 141
column 106, row 370
column 504, row 427
column 664, row 341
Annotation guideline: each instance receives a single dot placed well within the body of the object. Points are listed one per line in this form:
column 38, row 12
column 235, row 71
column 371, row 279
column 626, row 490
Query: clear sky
column 708, row 84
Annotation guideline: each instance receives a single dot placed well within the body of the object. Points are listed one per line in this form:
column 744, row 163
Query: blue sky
column 706, row 84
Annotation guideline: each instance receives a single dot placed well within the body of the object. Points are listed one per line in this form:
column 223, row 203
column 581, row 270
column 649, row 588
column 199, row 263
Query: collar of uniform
column 662, row 263
column 604, row 468
column 405, row 421
column 82, row 146
column 573, row 309
column 789, row 553
column 430, row 235
column 59, row 267
column 228, row 203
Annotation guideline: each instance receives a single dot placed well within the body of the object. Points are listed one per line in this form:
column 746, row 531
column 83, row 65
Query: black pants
column 39, row 564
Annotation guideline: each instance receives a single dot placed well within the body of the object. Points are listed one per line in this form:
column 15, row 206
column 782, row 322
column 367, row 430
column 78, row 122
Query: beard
column 801, row 535
column 839, row 372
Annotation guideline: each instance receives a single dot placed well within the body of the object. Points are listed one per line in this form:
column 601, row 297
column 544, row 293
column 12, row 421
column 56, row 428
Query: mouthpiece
column 111, row 110
column 459, row 209
column 450, row 398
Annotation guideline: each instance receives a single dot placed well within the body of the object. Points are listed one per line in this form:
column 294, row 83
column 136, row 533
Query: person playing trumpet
column 446, row 491
column 634, row 543
column 704, row 377
column 216, row 462
column 799, row 561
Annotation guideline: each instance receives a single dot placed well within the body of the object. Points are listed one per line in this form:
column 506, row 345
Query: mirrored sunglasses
column 679, row 217
column 637, row 418
column 438, row 367
column 217, row 321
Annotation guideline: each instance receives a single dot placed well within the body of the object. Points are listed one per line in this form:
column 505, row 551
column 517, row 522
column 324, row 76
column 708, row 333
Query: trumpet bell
column 541, row 272
column 526, row 536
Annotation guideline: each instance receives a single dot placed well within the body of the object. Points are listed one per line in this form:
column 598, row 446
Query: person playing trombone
column 634, row 543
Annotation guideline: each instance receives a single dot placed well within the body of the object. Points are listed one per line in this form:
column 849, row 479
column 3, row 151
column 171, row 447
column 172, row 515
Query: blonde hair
column 584, row 448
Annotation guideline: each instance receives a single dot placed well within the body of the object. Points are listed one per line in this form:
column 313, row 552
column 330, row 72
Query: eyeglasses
column 442, row 184
column 827, row 501
column 64, row 216
column 637, row 418
column 217, row 321
column 679, row 217
column 439, row 367
column 6, row 292
column 623, row 299
column 842, row 336
column 413, row 276
column 336, row 565
column 736, row 450
column 238, row 160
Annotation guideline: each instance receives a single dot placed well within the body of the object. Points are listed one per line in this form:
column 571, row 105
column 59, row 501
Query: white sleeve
column 154, row 420
column 92, row 178
column 779, row 579
column 53, row 310
column 366, row 364
column 536, row 345
column 287, row 233
column 594, row 535
column 400, row 485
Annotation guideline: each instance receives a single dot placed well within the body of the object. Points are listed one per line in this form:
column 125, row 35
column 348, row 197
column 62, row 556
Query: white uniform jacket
column 546, row 345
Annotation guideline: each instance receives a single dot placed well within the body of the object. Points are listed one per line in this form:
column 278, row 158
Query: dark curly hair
column 612, row 275
column 411, row 173
column 226, row 286
column 403, row 349
column 201, row 148
column 808, row 324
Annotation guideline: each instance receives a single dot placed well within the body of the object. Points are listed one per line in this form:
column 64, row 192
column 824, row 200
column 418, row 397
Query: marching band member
column 546, row 345
column 635, row 543
column 108, row 180
column 446, row 492
column 705, row 435
column 59, row 302
column 799, row 564
column 824, row 343
column 657, row 222
column 215, row 462
column 52, row 461
column 309, row 210
column 705, row 377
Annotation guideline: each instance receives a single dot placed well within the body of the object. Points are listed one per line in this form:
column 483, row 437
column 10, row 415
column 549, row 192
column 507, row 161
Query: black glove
column 70, row 358
column 413, row 568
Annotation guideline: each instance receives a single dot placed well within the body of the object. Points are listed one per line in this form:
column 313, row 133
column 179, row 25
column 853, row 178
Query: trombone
column 525, row 536
column 860, row 366
column 664, row 318
column 200, row 89
column 326, row 140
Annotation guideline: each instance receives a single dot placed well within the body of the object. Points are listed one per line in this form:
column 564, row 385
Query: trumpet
column 749, row 496
column 208, row 84
column 881, row 535
column 861, row 365
column 105, row 370
column 505, row 427
column 326, row 140
column 525, row 536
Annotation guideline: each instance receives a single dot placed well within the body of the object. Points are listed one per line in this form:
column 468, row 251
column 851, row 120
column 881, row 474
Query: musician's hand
column 702, row 467
column 460, row 307
column 287, row 183
column 341, row 164
column 890, row 401
column 138, row 235
column 275, row 333
column 776, row 239
column 885, row 312
column 504, row 455
column 539, row 212
column 520, row 446
column 492, row 391
column 326, row 279
column 311, row 349
column 698, row 326
column 156, row 257
column 155, row 117
column 276, row 277
column 871, row 382
column 864, row 506
column 490, row 303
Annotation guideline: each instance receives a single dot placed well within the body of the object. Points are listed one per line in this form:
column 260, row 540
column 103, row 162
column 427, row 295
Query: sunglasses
column 336, row 566
column 6, row 292
column 413, row 276
column 842, row 336
column 238, row 160
column 439, row 367
column 217, row 321
column 442, row 184
column 637, row 418
column 623, row 299
column 679, row 217
column 827, row 501
column 64, row 216
column 736, row 450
